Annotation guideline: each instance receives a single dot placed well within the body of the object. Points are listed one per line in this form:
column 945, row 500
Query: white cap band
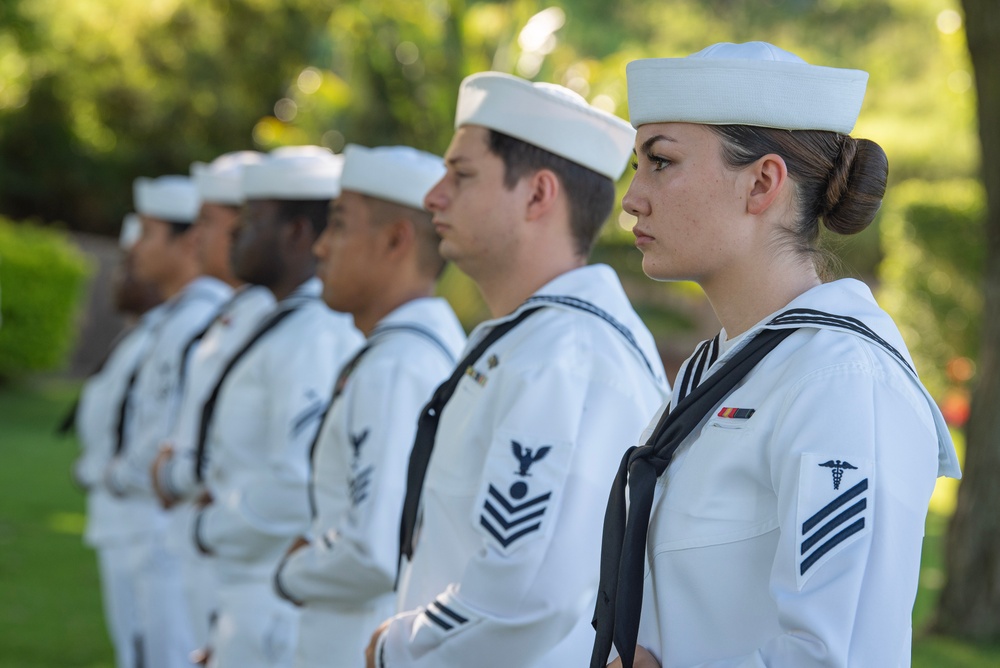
column 397, row 174
column 221, row 181
column 548, row 116
column 170, row 198
column 745, row 84
column 294, row 173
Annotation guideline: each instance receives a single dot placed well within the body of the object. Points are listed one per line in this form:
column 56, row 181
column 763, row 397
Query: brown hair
column 591, row 196
column 838, row 179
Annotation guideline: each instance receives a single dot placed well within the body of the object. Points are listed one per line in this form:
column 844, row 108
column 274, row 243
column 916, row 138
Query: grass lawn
column 50, row 611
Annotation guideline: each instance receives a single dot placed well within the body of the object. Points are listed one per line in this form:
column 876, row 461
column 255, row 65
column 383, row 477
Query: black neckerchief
column 619, row 595
column 427, row 426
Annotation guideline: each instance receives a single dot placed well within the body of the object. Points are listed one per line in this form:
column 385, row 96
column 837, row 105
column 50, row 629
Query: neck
column 177, row 283
column 374, row 311
column 290, row 283
column 506, row 289
column 741, row 299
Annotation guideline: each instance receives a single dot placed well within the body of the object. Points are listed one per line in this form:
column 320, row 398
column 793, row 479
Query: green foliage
column 931, row 275
column 42, row 277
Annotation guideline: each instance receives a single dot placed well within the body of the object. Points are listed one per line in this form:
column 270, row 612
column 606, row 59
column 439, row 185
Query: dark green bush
column 42, row 276
column 935, row 249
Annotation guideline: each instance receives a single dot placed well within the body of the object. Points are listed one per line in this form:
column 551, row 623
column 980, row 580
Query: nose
column 633, row 202
column 319, row 246
column 435, row 199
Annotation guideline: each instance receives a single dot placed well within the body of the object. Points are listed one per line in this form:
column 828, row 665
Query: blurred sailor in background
column 166, row 254
column 220, row 189
column 264, row 409
column 96, row 418
column 379, row 261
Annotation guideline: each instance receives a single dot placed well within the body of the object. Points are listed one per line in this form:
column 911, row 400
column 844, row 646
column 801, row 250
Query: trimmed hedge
column 42, row 277
column 935, row 252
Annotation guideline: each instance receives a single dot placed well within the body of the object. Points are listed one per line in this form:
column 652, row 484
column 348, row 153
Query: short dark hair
column 177, row 227
column 314, row 210
column 591, row 195
column 838, row 179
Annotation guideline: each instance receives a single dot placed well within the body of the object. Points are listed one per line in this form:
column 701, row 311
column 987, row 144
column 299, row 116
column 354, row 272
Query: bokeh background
column 94, row 93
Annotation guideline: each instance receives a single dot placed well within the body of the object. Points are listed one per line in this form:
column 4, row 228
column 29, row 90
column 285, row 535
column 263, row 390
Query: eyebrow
column 454, row 161
column 648, row 144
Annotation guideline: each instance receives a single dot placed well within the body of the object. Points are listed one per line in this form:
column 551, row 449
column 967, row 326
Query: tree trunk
column 970, row 601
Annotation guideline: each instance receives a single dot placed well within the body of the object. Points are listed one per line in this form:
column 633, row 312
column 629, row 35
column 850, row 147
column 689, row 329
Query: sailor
column 265, row 407
column 506, row 481
column 379, row 261
column 96, row 420
column 220, row 190
column 786, row 484
column 166, row 253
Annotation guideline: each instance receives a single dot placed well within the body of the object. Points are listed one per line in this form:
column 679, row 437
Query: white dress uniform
column 231, row 327
column 107, row 530
column 345, row 578
column 505, row 571
column 162, row 609
column 266, row 416
column 787, row 529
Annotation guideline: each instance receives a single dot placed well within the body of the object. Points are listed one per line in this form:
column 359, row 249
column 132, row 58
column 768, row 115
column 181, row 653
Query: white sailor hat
column 171, row 198
column 221, row 181
column 294, row 173
column 745, row 84
column 130, row 232
column 547, row 116
column 397, row 174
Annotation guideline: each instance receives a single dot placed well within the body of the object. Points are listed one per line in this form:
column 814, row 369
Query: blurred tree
column 970, row 601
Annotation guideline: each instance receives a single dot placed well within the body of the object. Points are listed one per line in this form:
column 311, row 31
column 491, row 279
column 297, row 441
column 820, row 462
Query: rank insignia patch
column 507, row 518
column 493, row 361
column 737, row 413
column 831, row 516
column 521, row 488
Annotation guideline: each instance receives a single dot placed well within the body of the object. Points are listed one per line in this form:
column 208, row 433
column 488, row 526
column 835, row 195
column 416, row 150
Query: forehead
column 469, row 143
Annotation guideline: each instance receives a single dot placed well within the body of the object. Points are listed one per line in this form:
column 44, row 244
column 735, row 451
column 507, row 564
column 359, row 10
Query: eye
column 659, row 164
column 634, row 162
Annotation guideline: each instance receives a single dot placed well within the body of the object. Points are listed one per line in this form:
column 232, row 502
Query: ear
column 544, row 188
column 300, row 234
column 768, row 180
column 397, row 238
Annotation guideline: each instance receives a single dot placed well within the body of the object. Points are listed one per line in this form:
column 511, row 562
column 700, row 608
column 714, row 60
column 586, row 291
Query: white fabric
column 130, row 232
column 152, row 412
column 294, row 173
column 745, row 84
column 233, row 324
column 254, row 628
column 221, row 181
column 542, row 419
column 397, row 174
column 120, row 605
column 97, row 428
column 548, row 116
column 167, row 638
column 345, row 577
column 171, row 198
column 266, row 417
column 737, row 577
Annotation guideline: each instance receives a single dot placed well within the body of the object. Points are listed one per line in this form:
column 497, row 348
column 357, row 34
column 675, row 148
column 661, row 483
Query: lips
column 641, row 236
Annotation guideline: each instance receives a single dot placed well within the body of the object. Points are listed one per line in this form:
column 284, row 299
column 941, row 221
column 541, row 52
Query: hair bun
column 856, row 186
